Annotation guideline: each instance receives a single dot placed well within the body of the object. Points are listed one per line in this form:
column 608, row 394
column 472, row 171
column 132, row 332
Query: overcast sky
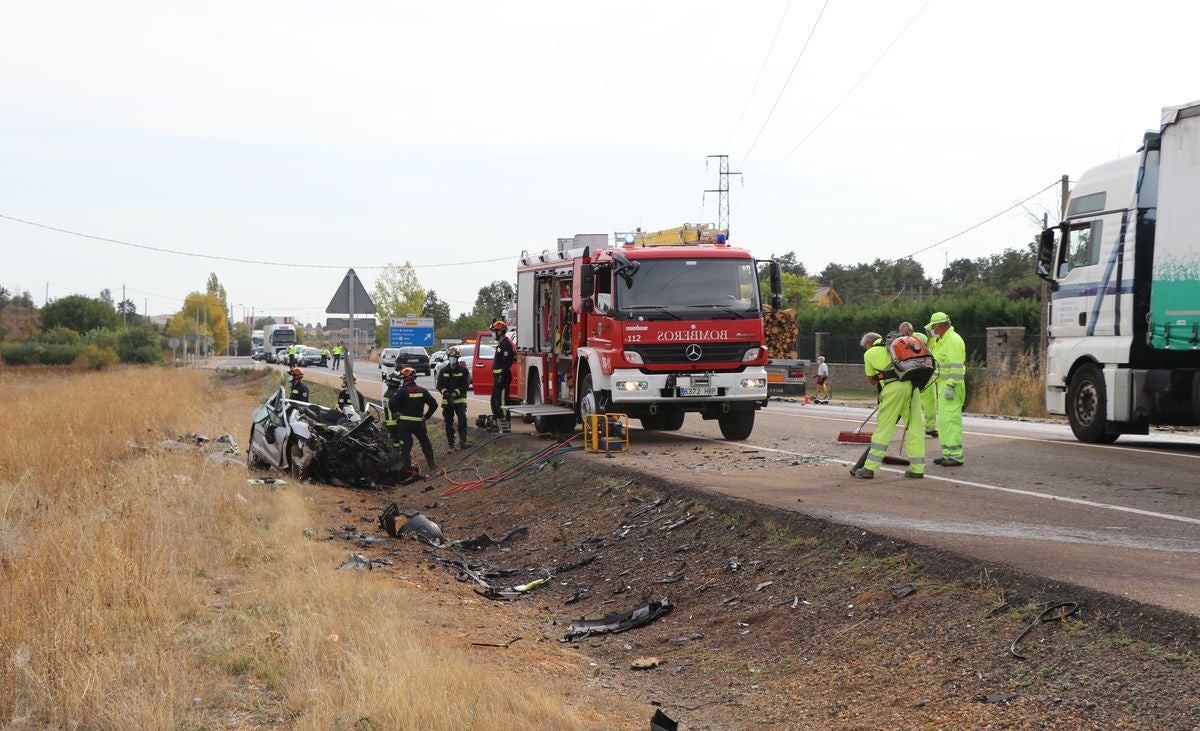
column 358, row 134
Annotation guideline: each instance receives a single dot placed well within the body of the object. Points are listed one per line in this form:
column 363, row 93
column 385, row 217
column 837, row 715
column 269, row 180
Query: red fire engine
column 650, row 330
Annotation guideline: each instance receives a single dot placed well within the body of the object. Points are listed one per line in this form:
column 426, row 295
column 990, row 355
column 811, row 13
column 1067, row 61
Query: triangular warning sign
column 340, row 304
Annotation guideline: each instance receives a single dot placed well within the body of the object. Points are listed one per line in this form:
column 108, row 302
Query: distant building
column 825, row 297
column 160, row 321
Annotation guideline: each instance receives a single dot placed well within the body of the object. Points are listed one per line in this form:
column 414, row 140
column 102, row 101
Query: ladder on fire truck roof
column 688, row 233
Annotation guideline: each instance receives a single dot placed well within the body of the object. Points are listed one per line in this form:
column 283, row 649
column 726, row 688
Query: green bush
column 101, row 337
column 22, row 354
column 95, row 358
column 969, row 314
column 59, row 335
column 139, row 345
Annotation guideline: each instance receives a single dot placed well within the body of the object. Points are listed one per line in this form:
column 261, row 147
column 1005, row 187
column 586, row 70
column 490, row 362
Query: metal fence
column 846, row 348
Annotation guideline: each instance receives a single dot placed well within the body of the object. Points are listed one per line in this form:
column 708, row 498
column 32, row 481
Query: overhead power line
column 785, row 83
column 176, row 252
column 986, row 220
column 758, row 78
column 837, row 106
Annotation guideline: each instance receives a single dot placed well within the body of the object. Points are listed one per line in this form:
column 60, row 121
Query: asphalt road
column 1123, row 518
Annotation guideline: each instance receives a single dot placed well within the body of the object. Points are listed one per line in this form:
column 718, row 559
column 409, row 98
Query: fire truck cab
column 652, row 331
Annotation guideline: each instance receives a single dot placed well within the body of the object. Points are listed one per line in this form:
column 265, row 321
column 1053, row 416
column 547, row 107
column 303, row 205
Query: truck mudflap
column 634, row 387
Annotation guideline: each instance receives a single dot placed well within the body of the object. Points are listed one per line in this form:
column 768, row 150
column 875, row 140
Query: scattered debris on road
column 502, row 645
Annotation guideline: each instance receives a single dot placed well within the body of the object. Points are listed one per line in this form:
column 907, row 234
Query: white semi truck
column 1124, row 274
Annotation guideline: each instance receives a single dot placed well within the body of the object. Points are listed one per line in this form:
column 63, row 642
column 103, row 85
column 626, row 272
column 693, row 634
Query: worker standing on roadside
column 337, row 355
column 929, row 393
column 324, row 356
column 950, row 352
column 502, row 376
column 406, row 405
column 897, row 399
column 452, row 383
column 293, row 349
column 297, row 390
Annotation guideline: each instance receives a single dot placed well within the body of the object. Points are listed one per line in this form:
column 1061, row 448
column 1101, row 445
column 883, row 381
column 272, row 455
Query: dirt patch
column 780, row 620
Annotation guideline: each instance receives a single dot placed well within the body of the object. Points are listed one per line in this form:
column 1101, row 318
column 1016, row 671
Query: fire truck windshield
column 723, row 288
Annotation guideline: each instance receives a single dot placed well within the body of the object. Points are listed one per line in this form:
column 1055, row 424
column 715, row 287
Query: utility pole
column 124, row 309
column 722, row 191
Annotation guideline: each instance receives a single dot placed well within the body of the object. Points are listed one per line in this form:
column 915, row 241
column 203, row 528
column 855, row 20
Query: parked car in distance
column 467, row 359
column 308, row 356
column 259, row 353
column 436, row 357
column 415, row 357
column 387, row 358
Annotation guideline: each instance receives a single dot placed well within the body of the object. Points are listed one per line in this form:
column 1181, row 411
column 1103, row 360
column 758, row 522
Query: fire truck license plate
column 698, row 391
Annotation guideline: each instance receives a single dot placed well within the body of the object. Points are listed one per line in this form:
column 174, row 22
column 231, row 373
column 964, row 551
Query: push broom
column 858, row 435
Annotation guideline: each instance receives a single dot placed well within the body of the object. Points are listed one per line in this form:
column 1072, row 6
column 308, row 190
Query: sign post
column 351, row 298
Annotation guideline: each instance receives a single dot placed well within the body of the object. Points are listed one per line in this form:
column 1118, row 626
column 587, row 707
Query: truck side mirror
column 587, row 280
column 776, row 285
column 1045, row 257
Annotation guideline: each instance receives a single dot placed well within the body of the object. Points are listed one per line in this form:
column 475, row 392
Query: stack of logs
column 781, row 331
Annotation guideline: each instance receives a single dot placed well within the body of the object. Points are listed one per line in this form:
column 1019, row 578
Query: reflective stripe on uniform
column 411, row 418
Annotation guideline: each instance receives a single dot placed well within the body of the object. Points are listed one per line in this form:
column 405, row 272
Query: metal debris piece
column 579, row 595
column 688, row 638
column 663, row 722
column 483, row 540
column 899, row 591
column 1056, row 612
column 674, row 574
column 273, row 481
column 733, row 564
column 641, row 615
column 503, row 645
column 763, row 585
column 645, row 663
column 730, row 598
column 624, row 587
column 647, row 508
column 996, row 698
column 418, row 524
column 356, row 562
column 576, row 564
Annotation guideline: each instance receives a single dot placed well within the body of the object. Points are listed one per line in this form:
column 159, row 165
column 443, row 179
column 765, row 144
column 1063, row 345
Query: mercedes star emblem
column 693, row 352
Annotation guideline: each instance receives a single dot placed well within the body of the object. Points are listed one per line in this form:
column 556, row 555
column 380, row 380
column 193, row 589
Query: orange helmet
column 408, row 374
column 499, row 325
column 297, row 373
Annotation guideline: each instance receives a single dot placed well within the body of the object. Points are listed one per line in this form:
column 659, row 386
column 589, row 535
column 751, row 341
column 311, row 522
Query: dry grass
column 157, row 590
column 1021, row 393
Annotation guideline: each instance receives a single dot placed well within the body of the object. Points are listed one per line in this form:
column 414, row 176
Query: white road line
column 968, row 483
column 1062, row 442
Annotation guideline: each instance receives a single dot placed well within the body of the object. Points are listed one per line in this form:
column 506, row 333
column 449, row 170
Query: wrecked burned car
column 317, row 443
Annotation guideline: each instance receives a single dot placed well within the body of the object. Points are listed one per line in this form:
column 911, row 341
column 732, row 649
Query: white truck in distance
column 1124, row 273
column 279, row 337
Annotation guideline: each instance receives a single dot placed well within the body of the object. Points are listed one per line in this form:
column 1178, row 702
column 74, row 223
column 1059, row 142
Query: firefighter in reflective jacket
column 297, row 391
column 392, row 383
column 897, row 399
column 406, row 406
column 344, row 398
column 502, row 376
column 452, row 384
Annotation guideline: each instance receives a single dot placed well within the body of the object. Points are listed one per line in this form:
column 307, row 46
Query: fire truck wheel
column 541, row 424
column 653, row 422
column 736, row 425
column 593, row 402
column 673, row 420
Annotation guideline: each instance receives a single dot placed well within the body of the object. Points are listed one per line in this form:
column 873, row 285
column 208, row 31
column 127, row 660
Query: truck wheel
column 541, row 424
column 592, row 402
column 654, row 422
column 673, row 420
column 736, row 425
column 1087, row 403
